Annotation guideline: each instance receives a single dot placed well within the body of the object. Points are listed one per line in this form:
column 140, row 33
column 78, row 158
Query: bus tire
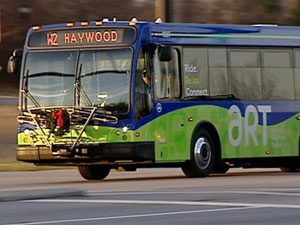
column 93, row 172
column 221, row 167
column 203, row 155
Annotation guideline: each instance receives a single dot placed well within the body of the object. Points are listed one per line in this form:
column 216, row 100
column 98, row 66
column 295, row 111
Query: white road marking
column 94, row 193
column 130, row 216
column 150, row 202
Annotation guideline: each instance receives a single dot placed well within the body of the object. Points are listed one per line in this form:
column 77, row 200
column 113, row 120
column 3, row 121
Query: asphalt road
column 156, row 196
column 8, row 128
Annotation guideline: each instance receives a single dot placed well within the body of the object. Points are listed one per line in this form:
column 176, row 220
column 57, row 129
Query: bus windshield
column 49, row 78
column 105, row 78
column 102, row 79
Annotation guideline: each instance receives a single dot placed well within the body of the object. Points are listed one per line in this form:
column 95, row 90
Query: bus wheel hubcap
column 202, row 152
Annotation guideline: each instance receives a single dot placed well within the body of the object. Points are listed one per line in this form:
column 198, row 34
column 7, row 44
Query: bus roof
column 221, row 34
column 199, row 34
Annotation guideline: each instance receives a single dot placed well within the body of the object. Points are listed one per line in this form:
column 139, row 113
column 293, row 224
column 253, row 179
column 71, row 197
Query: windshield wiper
column 81, row 91
column 27, row 94
column 50, row 73
column 105, row 71
column 79, row 88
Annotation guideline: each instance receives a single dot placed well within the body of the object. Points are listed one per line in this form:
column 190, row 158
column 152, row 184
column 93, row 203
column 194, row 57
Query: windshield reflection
column 105, row 78
column 51, row 77
column 102, row 80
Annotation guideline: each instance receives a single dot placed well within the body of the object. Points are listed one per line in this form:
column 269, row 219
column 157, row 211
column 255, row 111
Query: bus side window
column 167, row 82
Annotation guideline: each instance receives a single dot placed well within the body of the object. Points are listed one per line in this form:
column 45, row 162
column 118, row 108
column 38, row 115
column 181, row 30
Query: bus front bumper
column 109, row 152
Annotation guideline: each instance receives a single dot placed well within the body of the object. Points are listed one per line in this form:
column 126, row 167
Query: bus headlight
column 125, row 129
column 27, row 140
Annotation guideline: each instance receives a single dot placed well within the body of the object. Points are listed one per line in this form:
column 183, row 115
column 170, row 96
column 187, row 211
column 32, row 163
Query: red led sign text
column 53, row 38
column 77, row 37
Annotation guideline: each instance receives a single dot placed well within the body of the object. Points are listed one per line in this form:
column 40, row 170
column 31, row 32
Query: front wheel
column 203, row 155
column 93, row 172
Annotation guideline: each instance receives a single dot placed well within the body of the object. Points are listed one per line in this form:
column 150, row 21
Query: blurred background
column 18, row 15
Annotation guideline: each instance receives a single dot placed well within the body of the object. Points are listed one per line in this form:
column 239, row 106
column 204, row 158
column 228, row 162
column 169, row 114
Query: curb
column 31, row 194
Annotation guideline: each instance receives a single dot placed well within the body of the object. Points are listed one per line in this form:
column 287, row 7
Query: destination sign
column 82, row 37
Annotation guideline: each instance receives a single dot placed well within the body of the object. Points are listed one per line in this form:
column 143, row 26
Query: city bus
column 102, row 95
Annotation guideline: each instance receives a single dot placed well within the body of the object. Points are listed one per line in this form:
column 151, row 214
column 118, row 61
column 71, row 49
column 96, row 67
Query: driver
column 146, row 77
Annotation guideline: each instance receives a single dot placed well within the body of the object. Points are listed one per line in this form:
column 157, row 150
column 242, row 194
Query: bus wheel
column 221, row 167
column 203, row 156
column 93, row 172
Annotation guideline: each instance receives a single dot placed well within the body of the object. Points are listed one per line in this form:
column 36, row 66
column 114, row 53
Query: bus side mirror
column 14, row 62
column 165, row 53
column 12, row 65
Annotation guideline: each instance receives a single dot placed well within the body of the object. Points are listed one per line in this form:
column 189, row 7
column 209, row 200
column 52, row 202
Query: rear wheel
column 203, row 155
column 94, row 172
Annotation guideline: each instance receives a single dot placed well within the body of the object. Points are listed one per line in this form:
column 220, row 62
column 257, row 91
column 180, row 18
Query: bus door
column 169, row 126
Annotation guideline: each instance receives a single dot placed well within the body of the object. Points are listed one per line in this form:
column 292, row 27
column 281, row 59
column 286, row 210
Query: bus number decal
column 248, row 130
column 52, row 39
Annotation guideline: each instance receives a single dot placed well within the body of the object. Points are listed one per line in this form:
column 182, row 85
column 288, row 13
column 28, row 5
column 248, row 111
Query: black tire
column 221, row 167
column 93, row 172
column 203, row 155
